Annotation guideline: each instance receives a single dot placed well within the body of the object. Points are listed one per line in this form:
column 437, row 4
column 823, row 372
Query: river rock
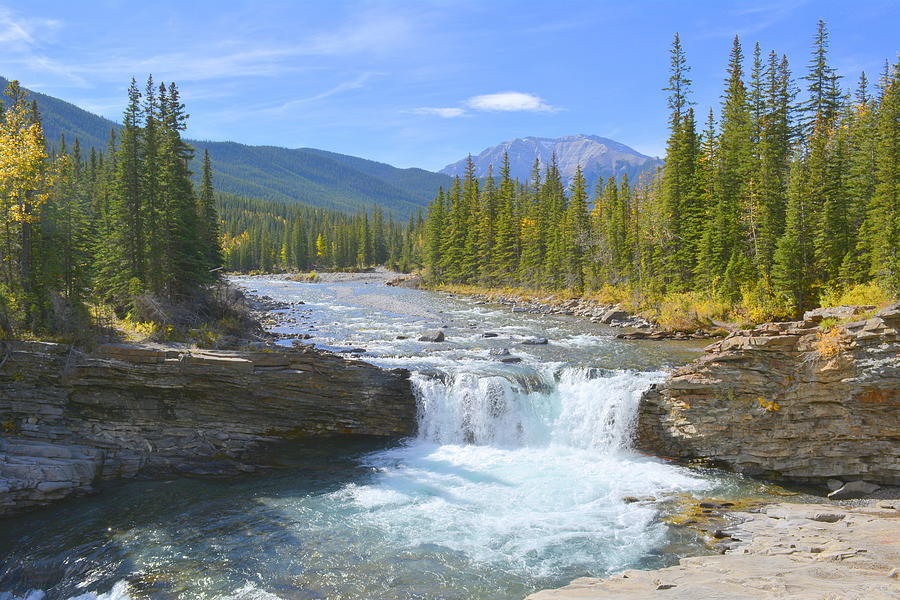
column 412, row 282
column 434, row 336
column 488, row 334
column 498, row 352
column 535, row 341
column 613, row 315
column 510, row 359
column 787, row 401
column 69, row 420
column 836, row 312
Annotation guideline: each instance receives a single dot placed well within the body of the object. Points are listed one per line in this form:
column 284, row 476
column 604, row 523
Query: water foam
column 525, row 470
column 582, row 408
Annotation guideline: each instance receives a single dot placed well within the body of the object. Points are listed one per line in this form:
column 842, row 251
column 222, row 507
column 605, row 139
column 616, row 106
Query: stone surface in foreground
column 788, row 551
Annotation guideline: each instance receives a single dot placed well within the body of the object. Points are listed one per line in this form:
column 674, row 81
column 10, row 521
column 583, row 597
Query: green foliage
column 764, row 215
column 108, row 227
column 263, row 236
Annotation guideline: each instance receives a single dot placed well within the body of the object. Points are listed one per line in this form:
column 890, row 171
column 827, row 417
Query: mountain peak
column 599, row 157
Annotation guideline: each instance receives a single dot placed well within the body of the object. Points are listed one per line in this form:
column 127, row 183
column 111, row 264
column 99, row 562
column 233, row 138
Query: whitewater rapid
column 517, row 479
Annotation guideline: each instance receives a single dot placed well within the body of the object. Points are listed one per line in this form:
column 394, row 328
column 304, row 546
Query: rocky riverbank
column 638, row 327
column 788, row 401
column 797, row 551
column 69, row 419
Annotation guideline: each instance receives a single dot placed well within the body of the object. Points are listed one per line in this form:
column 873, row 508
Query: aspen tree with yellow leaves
column 27, row 176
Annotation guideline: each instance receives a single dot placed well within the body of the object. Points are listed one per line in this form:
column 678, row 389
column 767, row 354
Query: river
column 515, row 481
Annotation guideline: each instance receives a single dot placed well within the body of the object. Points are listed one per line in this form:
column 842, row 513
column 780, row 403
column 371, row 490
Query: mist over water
column 514, row 482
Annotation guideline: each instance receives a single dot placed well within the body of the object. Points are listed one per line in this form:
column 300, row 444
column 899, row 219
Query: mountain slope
column 419, row 183
column 304, row 175
column 599, row 158
column 59, row 116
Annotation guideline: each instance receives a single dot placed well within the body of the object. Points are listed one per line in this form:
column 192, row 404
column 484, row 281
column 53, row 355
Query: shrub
column 828, row 344
column 866, row 294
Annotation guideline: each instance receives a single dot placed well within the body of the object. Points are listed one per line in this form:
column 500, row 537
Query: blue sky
column 419, row 83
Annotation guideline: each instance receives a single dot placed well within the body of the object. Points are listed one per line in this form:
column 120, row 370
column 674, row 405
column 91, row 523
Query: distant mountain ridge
column 301, row 175
column 599, row 157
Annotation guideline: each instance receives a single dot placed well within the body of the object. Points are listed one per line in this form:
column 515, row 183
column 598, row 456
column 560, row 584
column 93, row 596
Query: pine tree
column 209, row 219
column 434, row 231
column 576, row 230
column 733, row 161
column 884, row 211
column 792, row 269
column 505, row 259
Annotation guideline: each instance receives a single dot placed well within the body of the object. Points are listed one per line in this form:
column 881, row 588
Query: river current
column 516, row 480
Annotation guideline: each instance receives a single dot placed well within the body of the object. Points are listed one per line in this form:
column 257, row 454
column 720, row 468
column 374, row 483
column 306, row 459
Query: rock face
column 786, row 551
column 69, row 419
column 787, row 401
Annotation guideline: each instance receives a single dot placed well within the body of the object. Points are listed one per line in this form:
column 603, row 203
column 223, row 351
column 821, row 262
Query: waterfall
column 590, row 409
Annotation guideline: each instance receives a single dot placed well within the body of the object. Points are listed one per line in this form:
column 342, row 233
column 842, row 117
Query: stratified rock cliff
column 789, row 401
column 69, row 419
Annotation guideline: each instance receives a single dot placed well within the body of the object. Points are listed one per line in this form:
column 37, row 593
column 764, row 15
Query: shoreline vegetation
column 786, row 201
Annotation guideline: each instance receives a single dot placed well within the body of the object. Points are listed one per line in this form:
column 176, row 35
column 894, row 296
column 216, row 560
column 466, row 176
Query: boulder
column 488, row 334
column 613, row 315
column 434, row 336
column 535, row 341
column 498, row 352
column 853, row 489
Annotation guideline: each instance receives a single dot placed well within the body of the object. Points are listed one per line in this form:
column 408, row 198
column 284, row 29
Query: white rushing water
column 525, row 471
column 515, row 480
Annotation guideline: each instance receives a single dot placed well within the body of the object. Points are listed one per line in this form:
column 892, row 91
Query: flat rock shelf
column 71, row 419
column 797, row 551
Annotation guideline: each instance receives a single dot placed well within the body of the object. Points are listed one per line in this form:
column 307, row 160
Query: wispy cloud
column 17, row 31
column 754, row 17
column 509, row 102
column 344, row 86
column 450, row 112
column 369, row 32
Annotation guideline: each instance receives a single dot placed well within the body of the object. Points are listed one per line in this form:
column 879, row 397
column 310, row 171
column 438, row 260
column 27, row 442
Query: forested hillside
column 272, row 236
column 304, row 175
column 778, row 201
column 59, row 117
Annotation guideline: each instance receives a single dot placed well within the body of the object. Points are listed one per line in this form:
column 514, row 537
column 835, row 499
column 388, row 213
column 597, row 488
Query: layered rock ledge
column 69, row 419
column 792, row 551
column 788, row 401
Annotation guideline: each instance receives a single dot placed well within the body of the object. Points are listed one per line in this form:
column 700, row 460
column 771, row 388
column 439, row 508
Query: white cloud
column 499, row 102
column 509, row 102
column 446, row 113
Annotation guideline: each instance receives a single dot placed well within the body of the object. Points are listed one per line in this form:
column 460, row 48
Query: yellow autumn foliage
column 26, row 173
